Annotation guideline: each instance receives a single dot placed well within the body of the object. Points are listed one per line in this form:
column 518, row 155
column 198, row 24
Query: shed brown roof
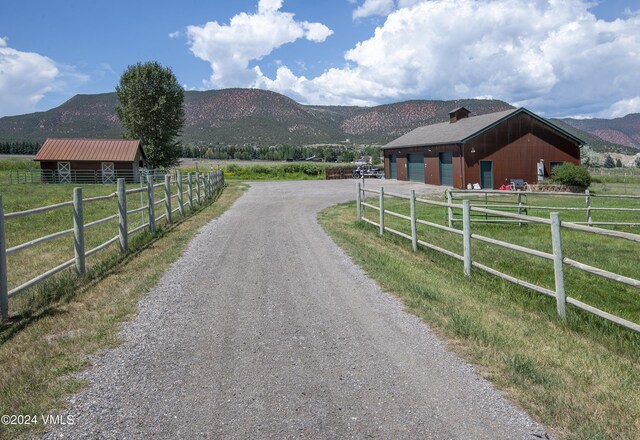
column 102, row 150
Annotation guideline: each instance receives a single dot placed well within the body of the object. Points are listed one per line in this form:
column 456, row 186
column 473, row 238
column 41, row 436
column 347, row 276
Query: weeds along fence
column 521, row 202
column 188, row 192
column 554, row 223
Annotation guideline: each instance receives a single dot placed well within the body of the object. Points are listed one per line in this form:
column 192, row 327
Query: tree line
column 281, row 152
column 20, row 147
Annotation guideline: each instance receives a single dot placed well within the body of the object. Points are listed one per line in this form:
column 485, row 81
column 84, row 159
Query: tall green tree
column 151, row 109
column 609, row 162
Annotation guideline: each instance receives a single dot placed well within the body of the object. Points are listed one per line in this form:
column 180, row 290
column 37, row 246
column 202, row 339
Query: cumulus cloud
column 25, row 78
column 229, row 48
column 552, row 56
column 623, row 107
column 373, row 7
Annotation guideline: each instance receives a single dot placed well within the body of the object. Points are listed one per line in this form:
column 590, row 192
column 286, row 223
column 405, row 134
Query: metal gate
column 446, row 168
column 415, row 167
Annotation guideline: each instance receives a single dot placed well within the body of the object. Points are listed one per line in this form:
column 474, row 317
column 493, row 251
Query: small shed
column 488, row 149
column 90, row 160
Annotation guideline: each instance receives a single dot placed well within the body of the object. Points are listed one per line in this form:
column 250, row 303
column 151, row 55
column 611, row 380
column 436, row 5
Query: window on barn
column 552, row 165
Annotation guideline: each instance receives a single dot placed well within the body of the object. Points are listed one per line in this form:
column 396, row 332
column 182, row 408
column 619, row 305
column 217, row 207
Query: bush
column 570, row 174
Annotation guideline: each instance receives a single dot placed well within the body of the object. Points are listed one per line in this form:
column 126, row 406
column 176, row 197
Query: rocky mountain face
column 622, row 131
column 253, row 116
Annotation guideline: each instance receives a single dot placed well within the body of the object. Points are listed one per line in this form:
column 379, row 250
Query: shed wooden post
column 450, row 209
column 190, row 190
column 167, row 196
column 358, row 202
column 180, row 195
column 558, row 269
column 588, row 201
column 151, row 204
column 78, row 231
column 466, row 236
column 414, row 229
column 198, row 187
column 4, row 285
column 381, row 205
column 123, row 228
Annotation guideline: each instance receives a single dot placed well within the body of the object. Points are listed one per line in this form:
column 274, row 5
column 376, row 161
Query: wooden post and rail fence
column 499, row 203
column 559, row 261
column 207, row 185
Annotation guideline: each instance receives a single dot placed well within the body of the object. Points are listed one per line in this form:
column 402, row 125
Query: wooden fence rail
column 557, row 257
column 520, row 207
column 207, row 186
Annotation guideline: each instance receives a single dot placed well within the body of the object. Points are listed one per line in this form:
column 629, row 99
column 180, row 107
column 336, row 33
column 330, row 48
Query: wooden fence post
column 414, row 229
column 123, row 227
column 190, row 190
column 180, row 198
column 358, row 202
column 558, row 269
column 167, row 196
column 4, row 286
column 151, row 203
column 450, row 209
column 78, row 231
column 381, row 205
column 466, row 236
column 519, row 207
column 198, row 187
column 588, row 201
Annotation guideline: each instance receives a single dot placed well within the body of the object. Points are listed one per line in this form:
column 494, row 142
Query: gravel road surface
column 265, row 329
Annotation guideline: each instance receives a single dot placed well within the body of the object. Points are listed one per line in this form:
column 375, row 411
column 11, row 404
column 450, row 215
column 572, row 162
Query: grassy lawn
column 579, row 377
column 56, row 326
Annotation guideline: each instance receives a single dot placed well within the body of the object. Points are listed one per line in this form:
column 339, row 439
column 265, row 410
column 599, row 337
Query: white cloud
column 623, row 107
column 175, row 34
column 230, row 48
column 553, row 56
column 25, row 78
column 373, row 7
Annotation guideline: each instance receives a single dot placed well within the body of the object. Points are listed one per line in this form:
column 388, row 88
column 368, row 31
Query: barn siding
column 515, row 147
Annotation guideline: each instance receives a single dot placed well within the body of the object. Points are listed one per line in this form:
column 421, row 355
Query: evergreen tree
column 608, row 162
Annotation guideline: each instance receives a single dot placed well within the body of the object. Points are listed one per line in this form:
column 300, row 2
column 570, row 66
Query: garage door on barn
column 393, row 169
column 446, row 169
column 415, row 167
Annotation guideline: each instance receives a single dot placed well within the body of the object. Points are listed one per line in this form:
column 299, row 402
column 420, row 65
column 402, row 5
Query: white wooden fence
column 557, row 257
column 521, row 207
column 206, row 187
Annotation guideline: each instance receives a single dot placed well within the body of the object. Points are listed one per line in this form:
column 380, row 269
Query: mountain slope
column 622, row 131
column 254, row 116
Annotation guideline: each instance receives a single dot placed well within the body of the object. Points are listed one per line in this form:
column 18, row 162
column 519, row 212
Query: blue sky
column 556, row 57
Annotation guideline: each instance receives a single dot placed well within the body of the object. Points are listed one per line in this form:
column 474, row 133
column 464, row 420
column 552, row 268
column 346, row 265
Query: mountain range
column 254, row 116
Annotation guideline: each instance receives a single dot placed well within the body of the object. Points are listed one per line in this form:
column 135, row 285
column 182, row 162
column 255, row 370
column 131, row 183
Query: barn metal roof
column 101, row 150
column 463, row 130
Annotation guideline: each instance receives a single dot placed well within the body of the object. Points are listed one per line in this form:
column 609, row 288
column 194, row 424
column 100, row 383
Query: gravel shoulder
column 266, row 329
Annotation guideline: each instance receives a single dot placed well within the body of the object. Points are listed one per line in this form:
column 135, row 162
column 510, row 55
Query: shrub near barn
column 571, row 175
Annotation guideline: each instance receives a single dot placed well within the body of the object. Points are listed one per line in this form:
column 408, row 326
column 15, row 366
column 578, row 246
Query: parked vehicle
column 368, row 171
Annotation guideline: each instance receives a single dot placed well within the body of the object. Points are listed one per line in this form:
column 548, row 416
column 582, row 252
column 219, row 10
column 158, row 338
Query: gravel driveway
column 265, row 329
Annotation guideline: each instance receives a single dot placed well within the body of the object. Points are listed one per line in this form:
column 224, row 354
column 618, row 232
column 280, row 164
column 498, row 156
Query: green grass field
column 576, row 376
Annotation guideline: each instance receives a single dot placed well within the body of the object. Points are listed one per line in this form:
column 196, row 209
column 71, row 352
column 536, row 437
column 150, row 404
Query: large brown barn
column 90, row 160
column 488, row 149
